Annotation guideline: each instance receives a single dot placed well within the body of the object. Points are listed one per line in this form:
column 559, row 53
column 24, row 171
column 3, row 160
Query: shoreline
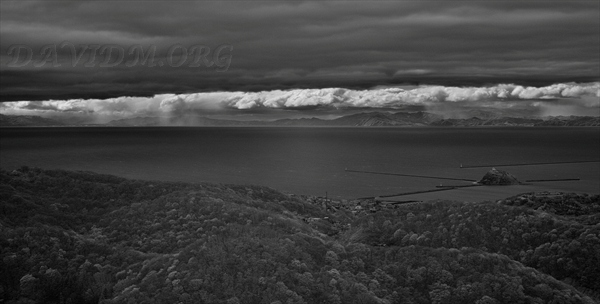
column 459, row 193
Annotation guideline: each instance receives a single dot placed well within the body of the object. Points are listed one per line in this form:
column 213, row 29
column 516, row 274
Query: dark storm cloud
column 296, row 44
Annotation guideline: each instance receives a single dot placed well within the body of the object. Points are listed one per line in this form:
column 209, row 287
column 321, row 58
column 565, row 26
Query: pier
column 552, row 180
column 528, row 164
column 411, row 175
column 419, row 192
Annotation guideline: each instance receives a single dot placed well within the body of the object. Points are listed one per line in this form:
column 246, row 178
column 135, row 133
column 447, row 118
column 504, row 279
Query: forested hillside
column 81, row 237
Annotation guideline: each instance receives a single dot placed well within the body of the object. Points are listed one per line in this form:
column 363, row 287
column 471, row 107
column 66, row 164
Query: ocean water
column 313, row 160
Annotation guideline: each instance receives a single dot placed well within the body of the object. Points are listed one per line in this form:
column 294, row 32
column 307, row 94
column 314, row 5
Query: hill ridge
column 94, row 238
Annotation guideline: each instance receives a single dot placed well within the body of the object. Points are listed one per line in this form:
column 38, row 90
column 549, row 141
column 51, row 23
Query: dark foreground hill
column 81, row 237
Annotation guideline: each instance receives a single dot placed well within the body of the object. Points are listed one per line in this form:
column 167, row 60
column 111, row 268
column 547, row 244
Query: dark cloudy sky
column 301, row 44
column 281, row 45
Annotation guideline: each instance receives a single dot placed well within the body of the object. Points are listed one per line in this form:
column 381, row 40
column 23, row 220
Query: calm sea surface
column 313, row 160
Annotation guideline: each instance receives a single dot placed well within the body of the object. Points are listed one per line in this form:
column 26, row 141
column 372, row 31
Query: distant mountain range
column 554, row 121
column 369, row 119
column 26, row 121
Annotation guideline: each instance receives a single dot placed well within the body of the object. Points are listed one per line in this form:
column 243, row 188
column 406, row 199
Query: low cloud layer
column 503, row 99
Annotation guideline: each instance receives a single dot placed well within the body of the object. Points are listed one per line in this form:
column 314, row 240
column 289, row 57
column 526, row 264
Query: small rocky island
column 499, row 177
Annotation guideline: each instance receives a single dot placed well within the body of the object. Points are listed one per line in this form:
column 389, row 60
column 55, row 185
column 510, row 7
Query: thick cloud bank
column 572, row 98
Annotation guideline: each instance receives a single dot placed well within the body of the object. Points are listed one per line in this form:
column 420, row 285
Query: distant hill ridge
column 367, row 119
column 27, row 120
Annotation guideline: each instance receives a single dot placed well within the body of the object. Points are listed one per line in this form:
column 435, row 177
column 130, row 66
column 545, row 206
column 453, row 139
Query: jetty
column 411, row 175
column 528, row 164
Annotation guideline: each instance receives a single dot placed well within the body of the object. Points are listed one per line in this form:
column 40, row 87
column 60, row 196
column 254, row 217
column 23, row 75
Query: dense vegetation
column 80, row 237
